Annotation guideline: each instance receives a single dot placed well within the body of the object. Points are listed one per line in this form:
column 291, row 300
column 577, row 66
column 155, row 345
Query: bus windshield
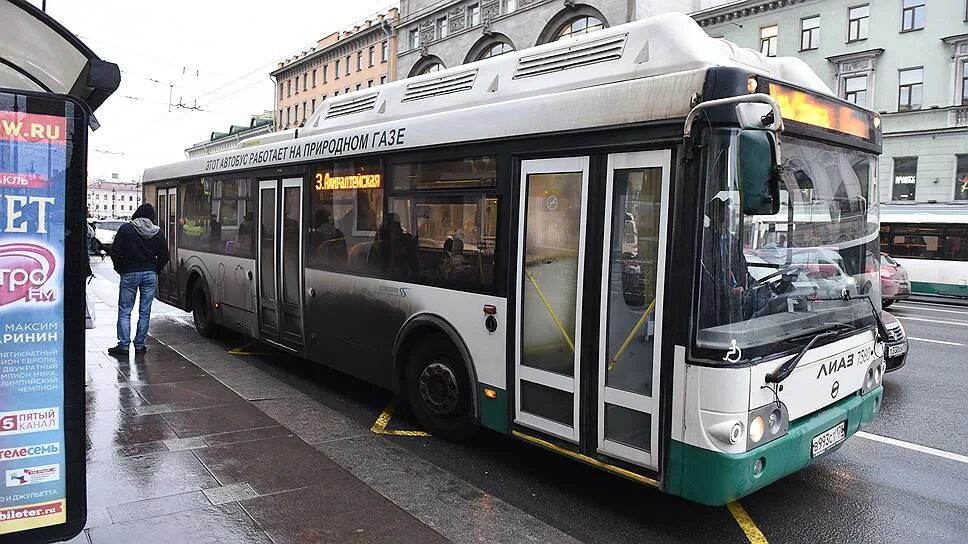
column 769, row 279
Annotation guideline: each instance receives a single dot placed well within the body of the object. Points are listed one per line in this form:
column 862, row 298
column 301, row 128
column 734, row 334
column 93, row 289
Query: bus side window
column 345, row 229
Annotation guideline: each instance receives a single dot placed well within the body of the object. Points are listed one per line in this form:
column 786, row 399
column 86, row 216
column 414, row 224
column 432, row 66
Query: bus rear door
column 280, row 262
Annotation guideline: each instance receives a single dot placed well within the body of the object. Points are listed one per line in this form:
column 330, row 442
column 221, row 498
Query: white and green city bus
column 617, row 247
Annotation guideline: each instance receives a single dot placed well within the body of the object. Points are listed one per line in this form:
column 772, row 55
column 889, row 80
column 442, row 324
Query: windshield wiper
column 788, row 367
column 846, row 296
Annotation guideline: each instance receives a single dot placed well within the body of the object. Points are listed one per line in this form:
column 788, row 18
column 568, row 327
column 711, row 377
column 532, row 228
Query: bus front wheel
column 202, row 311
column 439, row 390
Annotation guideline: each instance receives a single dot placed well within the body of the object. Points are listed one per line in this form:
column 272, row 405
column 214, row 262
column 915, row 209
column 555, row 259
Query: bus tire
column 439, row 390
column 201, row 310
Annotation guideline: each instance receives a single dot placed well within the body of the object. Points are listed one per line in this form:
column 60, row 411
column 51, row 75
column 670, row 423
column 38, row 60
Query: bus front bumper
column 716, row 478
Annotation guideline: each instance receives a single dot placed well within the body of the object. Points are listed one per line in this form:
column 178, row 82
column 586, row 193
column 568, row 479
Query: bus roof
column 669, row 51
column 924, row 213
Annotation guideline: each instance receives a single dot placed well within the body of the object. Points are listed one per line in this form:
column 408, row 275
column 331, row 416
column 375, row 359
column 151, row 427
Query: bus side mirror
column 757, row 172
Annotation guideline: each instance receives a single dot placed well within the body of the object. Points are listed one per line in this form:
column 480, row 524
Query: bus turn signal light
column 490, row 310
column 490, row 393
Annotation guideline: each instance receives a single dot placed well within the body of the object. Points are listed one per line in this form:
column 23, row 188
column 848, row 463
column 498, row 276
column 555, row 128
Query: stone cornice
column 739, row 10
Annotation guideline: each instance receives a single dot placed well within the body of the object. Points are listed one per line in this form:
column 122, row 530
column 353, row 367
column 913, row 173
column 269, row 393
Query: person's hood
column 145, row 227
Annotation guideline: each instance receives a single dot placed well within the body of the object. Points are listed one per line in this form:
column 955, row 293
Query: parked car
column 105, row 230
column 896, row 346
column 895, row 284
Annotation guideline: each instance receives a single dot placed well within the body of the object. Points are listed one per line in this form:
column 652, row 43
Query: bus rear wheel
column 439, row 389
column 202, row 311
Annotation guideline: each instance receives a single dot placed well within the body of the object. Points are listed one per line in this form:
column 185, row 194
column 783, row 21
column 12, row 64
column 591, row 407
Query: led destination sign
column 326, row 182
column 817, row 111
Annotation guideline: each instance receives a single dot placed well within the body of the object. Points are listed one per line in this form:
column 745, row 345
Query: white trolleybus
column 633, row 248
column 931, row 242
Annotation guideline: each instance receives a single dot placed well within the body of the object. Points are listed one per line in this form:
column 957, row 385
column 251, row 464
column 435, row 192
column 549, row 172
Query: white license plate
column 899, row 349
column 828, row 439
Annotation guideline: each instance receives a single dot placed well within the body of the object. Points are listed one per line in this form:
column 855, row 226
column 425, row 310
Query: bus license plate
column 828, row 439
column 899, row 349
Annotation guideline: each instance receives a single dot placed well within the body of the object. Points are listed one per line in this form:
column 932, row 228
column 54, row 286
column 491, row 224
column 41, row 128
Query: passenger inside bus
column 326, row 240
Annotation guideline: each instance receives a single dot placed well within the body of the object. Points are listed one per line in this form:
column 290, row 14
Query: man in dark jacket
column 139, row 253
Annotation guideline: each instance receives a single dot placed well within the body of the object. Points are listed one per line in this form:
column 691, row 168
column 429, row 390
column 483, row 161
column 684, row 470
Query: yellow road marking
column 746, row 523
column 628, row 339
column 380, row 425
column 243, row 350
column 585, row 459
column 551, row 310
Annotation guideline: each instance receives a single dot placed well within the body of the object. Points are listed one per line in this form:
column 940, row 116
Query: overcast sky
column 216, row 54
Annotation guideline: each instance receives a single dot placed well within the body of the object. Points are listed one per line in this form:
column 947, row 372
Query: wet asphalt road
column 868, row 491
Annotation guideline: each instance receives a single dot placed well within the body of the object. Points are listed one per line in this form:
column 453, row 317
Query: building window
column 857, row 22
column 494, row 50
column 414, row 38
column 305, row 76
column 313, row 106
column 384, row 51
column 346, row 90
column 305, row 113
column 288, row 87
column 288, row 116
column 576, row 27
column 295, row 116
column 359, row 61
column 768, row 40
column 855, row 90
column 810, row 33
column 961, row 177
column 371, row 54
column 910, row 83
column 905, row 178
column 335, row 69
column 349, row 59
column 297, row 85
column 280, row 90
column 280, row 118
column 369, row 83
column 509, row 6
column 325, row 75
column 359, row 86
column 314, row 78
column 440, row 28
column 383, row 79
column 912, row 15
column 335, row 93
column 432, row 67
column 473, row 15
column 964, row 82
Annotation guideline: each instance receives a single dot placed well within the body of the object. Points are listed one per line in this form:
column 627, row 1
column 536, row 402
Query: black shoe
column 141, row 351
column 118, row 351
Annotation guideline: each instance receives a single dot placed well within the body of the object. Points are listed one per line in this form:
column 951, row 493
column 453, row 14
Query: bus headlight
column 757, row 428
column 767, row 423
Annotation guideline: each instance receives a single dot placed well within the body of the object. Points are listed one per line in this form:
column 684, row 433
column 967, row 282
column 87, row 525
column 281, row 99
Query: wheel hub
column 439, row 389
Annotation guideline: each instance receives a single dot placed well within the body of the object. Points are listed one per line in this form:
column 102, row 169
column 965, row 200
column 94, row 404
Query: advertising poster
column 33, row 161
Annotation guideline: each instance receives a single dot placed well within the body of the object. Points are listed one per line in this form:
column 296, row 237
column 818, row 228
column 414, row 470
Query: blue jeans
column 131, row 284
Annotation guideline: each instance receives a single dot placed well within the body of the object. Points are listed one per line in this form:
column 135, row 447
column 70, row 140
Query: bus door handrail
column 628, row 339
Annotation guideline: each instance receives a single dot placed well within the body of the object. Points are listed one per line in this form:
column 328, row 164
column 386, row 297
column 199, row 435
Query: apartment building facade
column 340, row 63
column 436, row 34
column 907, row 59
column 112, row 199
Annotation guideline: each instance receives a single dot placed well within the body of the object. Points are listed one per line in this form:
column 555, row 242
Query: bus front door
column 280, row 262
column 561, row 304
column 166, row 210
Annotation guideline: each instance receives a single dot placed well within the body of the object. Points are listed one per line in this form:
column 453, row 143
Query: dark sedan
column 896, row 345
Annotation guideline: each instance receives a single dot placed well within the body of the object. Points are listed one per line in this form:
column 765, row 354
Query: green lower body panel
column 944, row 289
column 493, row 411
column 716, row 478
